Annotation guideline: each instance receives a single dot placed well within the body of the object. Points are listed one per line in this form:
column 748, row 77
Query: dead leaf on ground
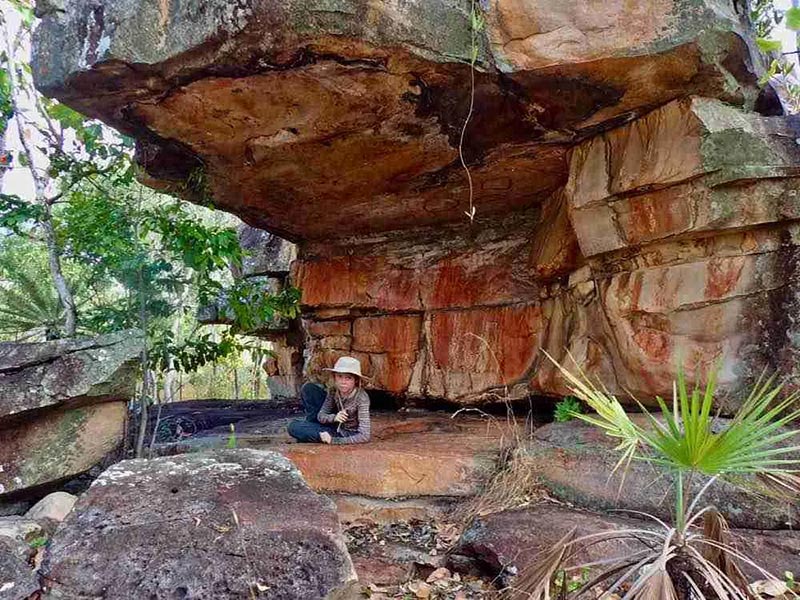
column 438, row 574
column 420, row 589
column 769, row 587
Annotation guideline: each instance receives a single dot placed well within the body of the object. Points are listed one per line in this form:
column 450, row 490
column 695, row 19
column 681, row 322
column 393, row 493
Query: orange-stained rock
column 473, row 352
column 392, row 334
column 691, row 166
column 491, row 262
column 393, row 344
column 325, row 328
column 635, row 240
column 441, row 457
column 312, row 122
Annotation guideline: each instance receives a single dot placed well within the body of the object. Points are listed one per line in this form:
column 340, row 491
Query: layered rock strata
column 63, row 406
column 631, row 207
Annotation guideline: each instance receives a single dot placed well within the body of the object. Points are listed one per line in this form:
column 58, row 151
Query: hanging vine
column 477, row 25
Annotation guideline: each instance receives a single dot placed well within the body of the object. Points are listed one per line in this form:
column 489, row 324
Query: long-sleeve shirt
column 357, row 428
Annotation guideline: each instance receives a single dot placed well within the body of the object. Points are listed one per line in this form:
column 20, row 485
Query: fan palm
column 681, row 560
column 29, row 307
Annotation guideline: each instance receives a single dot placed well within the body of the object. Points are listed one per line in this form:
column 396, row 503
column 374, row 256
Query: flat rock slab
column 409, row 455
column 35, row 376
column 363, row 510
column 576, row 460
column 222, row 524
column 432, row 455
column 59, row 444
column 504, row 543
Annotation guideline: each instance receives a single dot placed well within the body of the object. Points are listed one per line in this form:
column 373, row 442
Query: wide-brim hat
column 347, row 365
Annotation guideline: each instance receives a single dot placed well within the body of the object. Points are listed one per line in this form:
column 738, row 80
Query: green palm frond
column 28, row 304
column 755, row 440
column 611, row 417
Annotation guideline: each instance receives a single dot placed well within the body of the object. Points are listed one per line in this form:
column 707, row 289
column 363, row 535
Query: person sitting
column 338, row 416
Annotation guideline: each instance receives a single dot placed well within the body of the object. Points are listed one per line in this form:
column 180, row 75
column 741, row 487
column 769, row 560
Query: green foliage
column 191, row 354
column 252, row 308
column 65, row 115
column 231, row 445
column 146, row 261
column 572, row 583
column 752, row 443
column 25, row 11
column 6, row 107
column 767, row 45
column 18, row 215
column 777, row 67
column 790, row 580
column 38, row 542
column 688, row 442
column 764, row 17
column 567, row 409
column 792, row 17
column 29, row 305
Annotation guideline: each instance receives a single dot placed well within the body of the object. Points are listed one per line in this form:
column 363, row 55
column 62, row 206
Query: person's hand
column 324, row 437
column 341, row 416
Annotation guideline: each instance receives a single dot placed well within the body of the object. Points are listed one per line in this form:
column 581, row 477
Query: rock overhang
column 313, row 119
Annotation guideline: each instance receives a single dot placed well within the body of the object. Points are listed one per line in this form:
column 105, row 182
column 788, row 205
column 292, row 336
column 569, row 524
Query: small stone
column 54, row 506
column 439, row 574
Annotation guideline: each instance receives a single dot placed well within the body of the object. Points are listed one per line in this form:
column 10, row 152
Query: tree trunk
column 145, row 362
column 40, row 187
column 60, row 282
column 144, row 413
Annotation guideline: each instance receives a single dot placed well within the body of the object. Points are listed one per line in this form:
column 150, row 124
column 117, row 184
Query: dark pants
column 307, row 430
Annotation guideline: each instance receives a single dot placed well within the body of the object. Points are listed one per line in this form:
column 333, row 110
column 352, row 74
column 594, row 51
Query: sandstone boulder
column 63, row 406
column 311, row 121
column 505, row 542
column 223, row 524
column 265, row 253
column 86, row 370
column 430, row 456
column 424, row 456
column 55, row 506
column 59, row 444
column 630, row 206
column 575, row 461
column 687, row 218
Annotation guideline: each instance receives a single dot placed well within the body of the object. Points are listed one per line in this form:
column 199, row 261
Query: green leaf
column 65, row 115
column 792, row 19
column 768, row 46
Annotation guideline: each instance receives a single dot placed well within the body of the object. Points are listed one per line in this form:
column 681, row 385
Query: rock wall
column 63, row 406
column 673, row 242
column 634, row 204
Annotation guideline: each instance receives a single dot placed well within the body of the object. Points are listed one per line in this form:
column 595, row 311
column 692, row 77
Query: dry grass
column 513, row 483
